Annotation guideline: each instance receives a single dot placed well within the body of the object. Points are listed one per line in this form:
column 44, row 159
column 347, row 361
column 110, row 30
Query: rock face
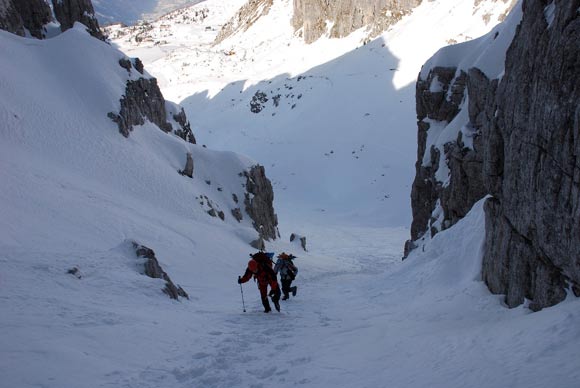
column 532, row 161
column 523, row 150
column 259, row 202
column 244, row 18
column 143, row 100
column 347, row 16
column 18, row 15
column 154, row 270
column 438, row 199
column 68, row 12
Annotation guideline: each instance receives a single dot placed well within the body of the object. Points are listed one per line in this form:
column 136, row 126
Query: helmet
column 283, row 255
column 253, row 265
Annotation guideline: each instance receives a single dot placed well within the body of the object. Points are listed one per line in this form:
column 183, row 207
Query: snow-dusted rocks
column 451, row 95
column 143, row 100
column 21, row 16
column 184, row 129
column 153, row 270
column 438, row 100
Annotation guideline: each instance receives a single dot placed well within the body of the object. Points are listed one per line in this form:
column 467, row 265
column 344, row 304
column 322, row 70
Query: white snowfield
column 75, row 193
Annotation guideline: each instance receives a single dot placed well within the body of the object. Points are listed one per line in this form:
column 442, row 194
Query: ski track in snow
column 254, row 349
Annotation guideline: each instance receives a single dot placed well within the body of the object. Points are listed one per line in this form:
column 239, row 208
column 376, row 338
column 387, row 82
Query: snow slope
column 342, row 139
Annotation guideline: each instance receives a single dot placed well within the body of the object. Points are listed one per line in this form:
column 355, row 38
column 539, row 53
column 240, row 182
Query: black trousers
column 286, row 283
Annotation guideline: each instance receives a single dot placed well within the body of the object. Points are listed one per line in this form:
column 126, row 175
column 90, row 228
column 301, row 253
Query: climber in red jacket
column 260, row 267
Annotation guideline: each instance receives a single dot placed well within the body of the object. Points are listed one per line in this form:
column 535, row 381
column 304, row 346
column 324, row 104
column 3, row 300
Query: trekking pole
column 243, row 303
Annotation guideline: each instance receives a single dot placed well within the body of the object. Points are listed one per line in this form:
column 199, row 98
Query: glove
column 239, row 280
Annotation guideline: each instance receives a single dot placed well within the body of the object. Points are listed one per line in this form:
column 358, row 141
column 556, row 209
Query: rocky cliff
column 532, row 160
column 19, row 16
column 346, row 16
column 32, row 16
column 511, row 132
column 68, row 12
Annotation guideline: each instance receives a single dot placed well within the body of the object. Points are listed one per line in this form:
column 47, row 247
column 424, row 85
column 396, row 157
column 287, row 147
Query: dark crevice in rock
column 572, row 175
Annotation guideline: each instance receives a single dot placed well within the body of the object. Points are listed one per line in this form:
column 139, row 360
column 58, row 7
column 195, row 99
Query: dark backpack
column 290, row 268
column 265, row 263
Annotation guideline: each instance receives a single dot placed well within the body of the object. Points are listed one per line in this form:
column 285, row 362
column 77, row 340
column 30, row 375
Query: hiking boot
column 285, row 297
column 293, row 289
column 276, row 300
column 266, row 305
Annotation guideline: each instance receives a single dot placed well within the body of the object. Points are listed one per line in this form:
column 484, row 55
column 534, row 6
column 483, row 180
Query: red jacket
column 262, row 272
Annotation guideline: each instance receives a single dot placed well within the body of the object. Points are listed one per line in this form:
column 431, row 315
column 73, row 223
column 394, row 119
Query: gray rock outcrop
column 347, row 16
column 525, row 152
column 19, row 16
column 259, row 202
column 154, row 270
column 143, row 100
column 531, row 161
column 68, row 12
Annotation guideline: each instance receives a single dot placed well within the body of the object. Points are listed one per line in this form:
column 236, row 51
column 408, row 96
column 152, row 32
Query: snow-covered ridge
column 79, row 82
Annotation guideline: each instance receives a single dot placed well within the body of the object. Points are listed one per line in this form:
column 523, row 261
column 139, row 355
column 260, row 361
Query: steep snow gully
column 74, row 193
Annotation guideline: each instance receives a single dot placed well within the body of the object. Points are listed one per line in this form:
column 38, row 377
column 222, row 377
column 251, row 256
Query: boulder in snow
column 298, row 239
column 153, row 270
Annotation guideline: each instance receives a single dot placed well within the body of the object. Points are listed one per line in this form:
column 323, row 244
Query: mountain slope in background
column 129, row 12
column 347, row 109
